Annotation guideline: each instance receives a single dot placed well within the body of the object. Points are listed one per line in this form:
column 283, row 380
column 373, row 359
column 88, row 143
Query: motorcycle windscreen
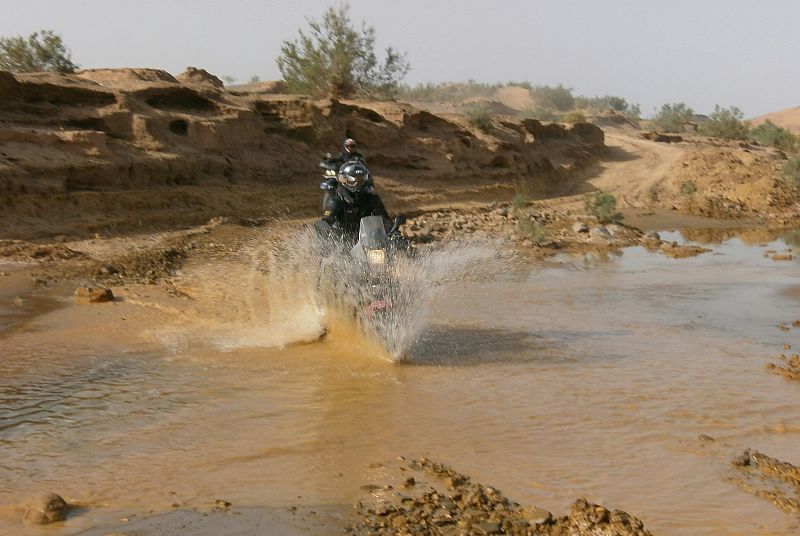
column 372, row 233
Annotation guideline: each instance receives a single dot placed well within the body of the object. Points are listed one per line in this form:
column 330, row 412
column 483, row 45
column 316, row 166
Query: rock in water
column 45, row 509
column 93, row 295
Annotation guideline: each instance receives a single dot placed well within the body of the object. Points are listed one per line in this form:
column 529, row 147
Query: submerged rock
column 45, row 509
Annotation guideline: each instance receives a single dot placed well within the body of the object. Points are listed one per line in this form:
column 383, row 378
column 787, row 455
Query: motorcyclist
column 351, row 198
column 350, row 153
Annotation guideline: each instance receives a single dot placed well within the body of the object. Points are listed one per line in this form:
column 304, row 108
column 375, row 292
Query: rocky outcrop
column 453, row 504
column 118, row 146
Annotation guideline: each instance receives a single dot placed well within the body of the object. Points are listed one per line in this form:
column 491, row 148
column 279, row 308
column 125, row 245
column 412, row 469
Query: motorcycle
column 363, row 279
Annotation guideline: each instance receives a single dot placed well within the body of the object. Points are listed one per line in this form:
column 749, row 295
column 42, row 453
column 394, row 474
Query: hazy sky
column 703, row 52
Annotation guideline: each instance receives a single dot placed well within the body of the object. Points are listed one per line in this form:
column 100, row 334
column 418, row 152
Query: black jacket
column 343, row 209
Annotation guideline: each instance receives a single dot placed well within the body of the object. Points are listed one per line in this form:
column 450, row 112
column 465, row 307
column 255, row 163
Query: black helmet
column 349, row 145
column 353, row 176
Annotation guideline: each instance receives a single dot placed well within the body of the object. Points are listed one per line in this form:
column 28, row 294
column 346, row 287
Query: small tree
column 727, row 123
column 673, row 117
column 337, row 59
column 40, row 51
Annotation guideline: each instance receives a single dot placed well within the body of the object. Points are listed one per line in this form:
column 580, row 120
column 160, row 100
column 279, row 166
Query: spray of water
column 388, row 307
column 292, row 286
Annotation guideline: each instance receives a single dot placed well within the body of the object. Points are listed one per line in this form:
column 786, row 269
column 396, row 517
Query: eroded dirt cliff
column 127, row 150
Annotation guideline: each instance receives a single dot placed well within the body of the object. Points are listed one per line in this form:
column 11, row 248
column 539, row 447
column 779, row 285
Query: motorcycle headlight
column 376, row 257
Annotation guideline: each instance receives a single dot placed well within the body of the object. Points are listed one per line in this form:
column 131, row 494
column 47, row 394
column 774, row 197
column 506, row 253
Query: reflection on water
column 590, row 379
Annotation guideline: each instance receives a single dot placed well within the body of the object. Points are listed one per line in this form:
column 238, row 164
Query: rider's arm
column 331, row 206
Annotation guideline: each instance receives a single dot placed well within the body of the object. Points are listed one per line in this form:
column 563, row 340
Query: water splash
column 389, row 308
column 291, row 286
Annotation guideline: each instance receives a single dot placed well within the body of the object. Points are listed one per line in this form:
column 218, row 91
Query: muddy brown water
column 591, row 378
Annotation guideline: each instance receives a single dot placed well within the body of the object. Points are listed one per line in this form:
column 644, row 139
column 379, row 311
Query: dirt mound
column 515, row 97
column 788, row 119
column 728, row 180
column 193, row 75
column 493, row 106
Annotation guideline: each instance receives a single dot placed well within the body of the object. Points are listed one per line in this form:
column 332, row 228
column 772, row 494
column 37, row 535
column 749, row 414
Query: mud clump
column 790, row 368
column 147, row 267
column 93, row 295
column 450, row 503
column 769, row 478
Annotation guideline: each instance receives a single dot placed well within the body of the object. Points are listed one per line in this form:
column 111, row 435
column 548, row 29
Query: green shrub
column 790, row 174
column 726, row 123
column 688, row 187
column 673, row 117
column 541, row 114
column 575, row 116
column 606, row 102
column 534, row 231
column 519, row 202
column 555, row 98
column 40, row 51
column 336, row 58
column 603, row 205
column 447, row 91
column 478, row 116
column 768, row 133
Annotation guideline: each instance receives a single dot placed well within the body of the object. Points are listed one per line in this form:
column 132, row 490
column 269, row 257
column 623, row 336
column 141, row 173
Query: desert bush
column 603, row 205
column 534, row 231
column 336, row 59
column 40, row 51
column 673, row 117
column 790, row 174
column 524, row 84
column 479, row 116
column 447, row 91
column 575, row 116
column 554, row 97
column 541, row 114
column 618, row 104
column 519, row 201
column 688, row 187
column 634, row 113
column 768, row 133
column 726, row 123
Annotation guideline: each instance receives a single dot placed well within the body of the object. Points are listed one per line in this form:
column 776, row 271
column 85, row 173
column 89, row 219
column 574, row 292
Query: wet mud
column 769, row 478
